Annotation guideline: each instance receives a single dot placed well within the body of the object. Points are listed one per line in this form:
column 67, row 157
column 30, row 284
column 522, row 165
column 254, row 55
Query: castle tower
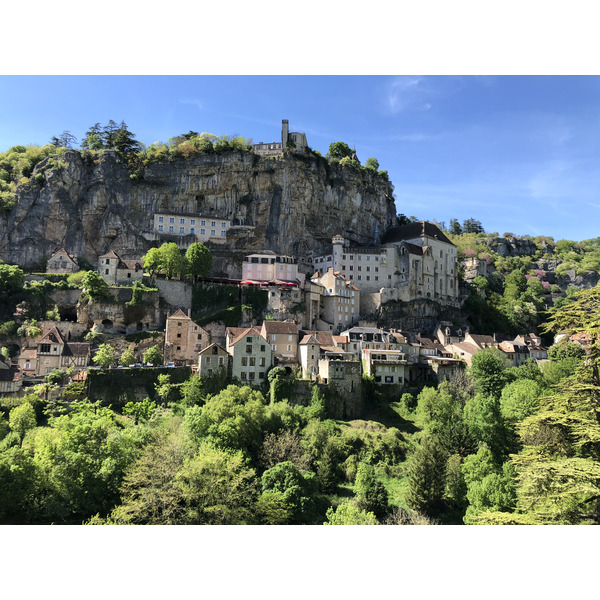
column 285, row 131
column 337, row 242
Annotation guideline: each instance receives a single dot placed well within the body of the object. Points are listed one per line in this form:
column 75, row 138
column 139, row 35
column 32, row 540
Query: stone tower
column 337, row 242
column 285, row 132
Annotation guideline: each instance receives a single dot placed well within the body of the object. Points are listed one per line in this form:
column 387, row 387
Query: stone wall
column 175, row 293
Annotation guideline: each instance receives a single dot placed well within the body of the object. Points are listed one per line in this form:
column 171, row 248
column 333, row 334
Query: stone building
column 277, row 148
column 191, row 226
column 117, row 271
column 53, row 352
column 283, row 337
column 10, row 378
column 212, row 359
column 252, row 356
column 271, row 267
column 184, row 339
column 62, row 262
column 340, row 300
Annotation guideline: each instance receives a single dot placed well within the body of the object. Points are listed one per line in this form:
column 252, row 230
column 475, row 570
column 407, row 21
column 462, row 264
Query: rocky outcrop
column 513, row 246
column 291, row 205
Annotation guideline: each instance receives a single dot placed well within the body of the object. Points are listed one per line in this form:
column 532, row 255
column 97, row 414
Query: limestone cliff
column 292, row 204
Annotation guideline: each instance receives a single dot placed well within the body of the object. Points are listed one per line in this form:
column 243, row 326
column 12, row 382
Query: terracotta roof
column 251, row 331
column 281, row 327
column 52, row 336
column 28, row 354
column 412, row 231
column 340, row 339
column 479, row 340
column 63, row 251
column 133, row 264
column 465, row 347
column 109, row 254
column 80, row 376
column 309, row 338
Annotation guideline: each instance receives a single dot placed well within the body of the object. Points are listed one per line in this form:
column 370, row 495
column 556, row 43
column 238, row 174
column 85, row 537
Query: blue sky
column 519, row 153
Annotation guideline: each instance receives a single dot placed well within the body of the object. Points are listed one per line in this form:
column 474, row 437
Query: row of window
column 193, row 222
column 251, row 361
column 213, row 232
column 251, row 375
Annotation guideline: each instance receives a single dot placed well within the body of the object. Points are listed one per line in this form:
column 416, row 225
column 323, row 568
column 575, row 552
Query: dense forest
column 513, row 445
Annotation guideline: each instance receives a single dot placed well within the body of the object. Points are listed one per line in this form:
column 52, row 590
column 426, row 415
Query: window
column 181, row 221
column 107, row 262
column 223, row 225
column 202, row 222
column 45, row 348
column 171, row 220
column 161, row 228
column 213, row 223
column 178, row 335
column 200, row 337
column 262, row 348
column 261, row 375
column 106, row 271
column 252, row 361
column 192, row 230
column 208, row 360
column 171, row 228
column 248, row 349
column 181, row 229
column 202, row 231
column 243, row 375
column 252, row 375
column 244, row 361
column 192, row 221
column 223, row 233
column 212, row 232
column 160, row 219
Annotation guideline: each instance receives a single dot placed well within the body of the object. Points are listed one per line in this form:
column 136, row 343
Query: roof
column 466, row 347
column 479, row 340
column 11, row 373
column 28, row 354
column 309, row 338
column 76, row 349
column 178, row 314
column 412, row 231
column 206, row 350
column 64, row 252
column 52, row 336
column 280, row 327
column 109, row 254
column 251, row 331
column 414, row 249
column 132, row 264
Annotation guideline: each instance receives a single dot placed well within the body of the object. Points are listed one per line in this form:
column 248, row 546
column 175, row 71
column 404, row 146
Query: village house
column 313, row 346
column 270, row 267
column 283, row 337
column 387, row 367
column 213, row 359
column 117, row 271
column 252, row 356
column 10, row 378
column 463, row 350
column 184, row 339
column 62, row 262
column 517, row 354
column 537, row 351
column 340, row 300
column 447, row 333
column 54, row 352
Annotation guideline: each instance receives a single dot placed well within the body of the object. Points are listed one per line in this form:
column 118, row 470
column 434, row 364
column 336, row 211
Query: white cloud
column 197, row 103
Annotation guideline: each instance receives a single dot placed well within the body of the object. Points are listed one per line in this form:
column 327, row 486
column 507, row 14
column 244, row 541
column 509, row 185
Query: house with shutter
column 117, row 271
column 251, row 356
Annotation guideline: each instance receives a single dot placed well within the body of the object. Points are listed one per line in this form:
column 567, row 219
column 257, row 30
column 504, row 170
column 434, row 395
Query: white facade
column 204, row 228
column 340, row 300
column 268, row 266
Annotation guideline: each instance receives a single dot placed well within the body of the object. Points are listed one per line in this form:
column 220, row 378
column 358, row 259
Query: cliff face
column 291, row 205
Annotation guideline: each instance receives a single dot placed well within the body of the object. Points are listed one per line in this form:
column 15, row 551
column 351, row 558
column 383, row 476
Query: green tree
column 297, row 489
column 371, row 495
column 520, row 399
column 105, row 356
column 172, row 260
column 348, row 514
column 192, row 391
column 218, row 488
column 128, row 356
column 153, row 356
column 21, row 419
column 153, row 262
column 372, row 163
column 339, row 150
column 94, row 286
column 485, row 424
column 93, row 138
column 427, row 476
column 198, row 260
column 488, row 368
column 140, row 411
column 564, row 350
column 18, row 482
